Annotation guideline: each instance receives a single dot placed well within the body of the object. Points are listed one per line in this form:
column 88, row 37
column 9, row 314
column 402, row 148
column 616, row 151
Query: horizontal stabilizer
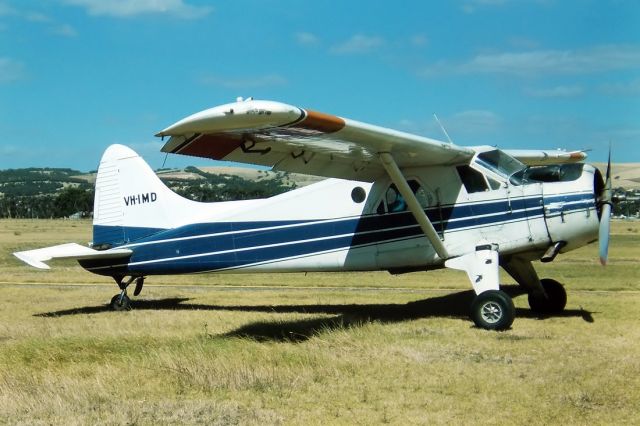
column 36, row 258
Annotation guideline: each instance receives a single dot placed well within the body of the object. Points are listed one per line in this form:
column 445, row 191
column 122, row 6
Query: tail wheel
column 493, row 310
column 555, row 301
column 120, row 302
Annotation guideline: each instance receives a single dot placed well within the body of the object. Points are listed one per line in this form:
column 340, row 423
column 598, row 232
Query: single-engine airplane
column 394, row 201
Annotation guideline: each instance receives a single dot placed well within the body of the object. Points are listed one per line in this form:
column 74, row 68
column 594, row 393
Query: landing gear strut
column 546, row 296
column 121, row 301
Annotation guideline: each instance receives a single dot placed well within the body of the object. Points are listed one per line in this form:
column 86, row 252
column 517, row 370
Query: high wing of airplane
column 394, row 201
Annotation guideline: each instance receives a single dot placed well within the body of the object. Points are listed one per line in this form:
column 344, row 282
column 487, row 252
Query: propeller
column 606, row 198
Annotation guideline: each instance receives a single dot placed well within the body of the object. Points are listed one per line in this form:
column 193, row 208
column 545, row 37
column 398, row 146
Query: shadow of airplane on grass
column 454, row 305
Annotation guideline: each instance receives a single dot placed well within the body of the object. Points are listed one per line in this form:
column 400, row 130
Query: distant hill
column 47, row 181
column 42, row 181
column 625, row 175
column 49, row 193
column 35, row 181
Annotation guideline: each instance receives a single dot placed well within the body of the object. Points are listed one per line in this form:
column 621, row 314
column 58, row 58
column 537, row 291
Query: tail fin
column 130, row 201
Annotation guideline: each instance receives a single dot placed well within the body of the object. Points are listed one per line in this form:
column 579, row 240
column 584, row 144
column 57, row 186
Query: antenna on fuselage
column 443, row 129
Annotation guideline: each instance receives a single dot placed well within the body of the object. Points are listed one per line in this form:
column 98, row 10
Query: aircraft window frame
column 499, row 162
column 493, row 183
column 473, row 180
column 421, row 195
column 396, row 204
column 385, row 206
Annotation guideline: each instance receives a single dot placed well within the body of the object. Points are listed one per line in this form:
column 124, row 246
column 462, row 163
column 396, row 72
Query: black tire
column 555, row 301
column 493, row 310
column 118, row 304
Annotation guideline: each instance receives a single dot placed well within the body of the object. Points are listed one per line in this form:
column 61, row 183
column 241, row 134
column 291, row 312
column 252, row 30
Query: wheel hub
column 491, row 312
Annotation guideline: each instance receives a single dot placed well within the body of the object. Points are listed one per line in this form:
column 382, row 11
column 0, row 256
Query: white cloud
column 463, row 127
column 129, row 8
column 555, row 92
column 475, row 121
column 268, row 80
column 6, row 10
column 592, row 60
column 630, row 88
column 54, row 27
column 64, row 30
column 6, row 150
column 471, row 6
column 10, row 70
column 306, row 39
column 37, row 17
column 419, row 40
column 523, row 43
column 357, row 44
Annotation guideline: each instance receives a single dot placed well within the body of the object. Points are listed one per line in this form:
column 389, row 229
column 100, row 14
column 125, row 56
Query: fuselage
column 341, row 225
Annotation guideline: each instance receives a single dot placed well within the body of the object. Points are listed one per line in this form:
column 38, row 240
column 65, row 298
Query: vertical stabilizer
column 130, row 201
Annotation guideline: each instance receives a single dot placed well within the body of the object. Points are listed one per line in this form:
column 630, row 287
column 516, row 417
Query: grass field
column 365, row 348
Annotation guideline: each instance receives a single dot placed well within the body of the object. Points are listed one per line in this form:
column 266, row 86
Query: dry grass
column 294, row 349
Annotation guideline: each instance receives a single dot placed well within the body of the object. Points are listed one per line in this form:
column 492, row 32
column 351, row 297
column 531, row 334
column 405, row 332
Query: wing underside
column 292, row 139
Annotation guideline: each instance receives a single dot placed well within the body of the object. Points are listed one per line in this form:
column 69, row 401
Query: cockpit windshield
column 500, row 163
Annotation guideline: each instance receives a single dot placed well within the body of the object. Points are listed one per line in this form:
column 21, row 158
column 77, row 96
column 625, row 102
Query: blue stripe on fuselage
column 201, row 247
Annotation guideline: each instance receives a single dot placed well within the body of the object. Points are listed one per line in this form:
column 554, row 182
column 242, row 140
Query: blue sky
column 79, row 75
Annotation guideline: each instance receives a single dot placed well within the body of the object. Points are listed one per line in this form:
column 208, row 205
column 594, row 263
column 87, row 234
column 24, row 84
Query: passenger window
column 394, row 202
column 472, row 179
column 421, row 194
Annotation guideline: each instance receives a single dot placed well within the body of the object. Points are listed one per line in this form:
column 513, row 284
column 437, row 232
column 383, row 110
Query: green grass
column 312, row 349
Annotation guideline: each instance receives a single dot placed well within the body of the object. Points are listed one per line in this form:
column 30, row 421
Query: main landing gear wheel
column 493, row 310
column 120, row 302
column 555, row 301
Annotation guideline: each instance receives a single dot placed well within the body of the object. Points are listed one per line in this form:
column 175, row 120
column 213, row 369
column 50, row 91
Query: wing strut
column 412, row 203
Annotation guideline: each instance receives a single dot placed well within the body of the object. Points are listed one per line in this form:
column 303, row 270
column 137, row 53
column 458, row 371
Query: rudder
column 131, row 202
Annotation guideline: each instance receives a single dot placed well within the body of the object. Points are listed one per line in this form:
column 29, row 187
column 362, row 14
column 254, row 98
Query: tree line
column 58, row 193
column 55, row 193
column 64, row 203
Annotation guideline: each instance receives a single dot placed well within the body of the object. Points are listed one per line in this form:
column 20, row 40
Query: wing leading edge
column 293, row 139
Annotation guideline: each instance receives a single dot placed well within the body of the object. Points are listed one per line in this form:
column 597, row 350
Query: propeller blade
column 609, row 168
column 605, row 218
column 603, row 235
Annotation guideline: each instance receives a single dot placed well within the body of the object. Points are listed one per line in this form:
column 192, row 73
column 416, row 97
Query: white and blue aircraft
column 394, row 201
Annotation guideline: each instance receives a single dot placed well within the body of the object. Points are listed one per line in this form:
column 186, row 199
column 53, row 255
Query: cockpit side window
column 494, row 184
column 472, row 179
